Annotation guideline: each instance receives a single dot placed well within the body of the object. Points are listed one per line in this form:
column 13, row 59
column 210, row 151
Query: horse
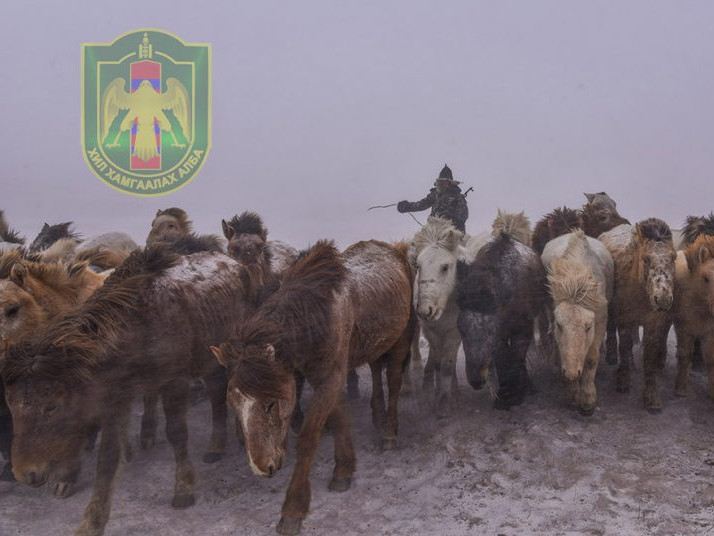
column 554, row 224
column 169, row 224
column 435, row 250
column 9, row 238
column 499, row 294
column 693, row 309
column 644, row 258
column 61, row 243
column 580, row 274
column 332, row 312
column 600, row 215
column 149, row 326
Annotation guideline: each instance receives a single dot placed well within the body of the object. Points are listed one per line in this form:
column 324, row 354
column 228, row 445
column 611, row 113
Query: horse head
column 656, row 258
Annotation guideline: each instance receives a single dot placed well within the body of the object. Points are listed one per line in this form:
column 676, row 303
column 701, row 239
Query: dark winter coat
column 445, row 201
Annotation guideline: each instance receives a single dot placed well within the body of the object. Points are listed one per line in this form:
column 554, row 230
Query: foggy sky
column 321, row 109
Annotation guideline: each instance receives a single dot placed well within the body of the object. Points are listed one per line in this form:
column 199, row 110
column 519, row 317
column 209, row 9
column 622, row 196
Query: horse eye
column 587, row 329
column 559, row 326
column 706, row 279
column 12, row 311
column 647, row 260
column 172, row 226
column 445, row 268
column 269, row 406
column 49, row 409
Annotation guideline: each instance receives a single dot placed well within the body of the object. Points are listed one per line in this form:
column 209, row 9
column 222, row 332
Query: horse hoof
column 6, row 474
column 340, row 484
column 183, row 501
column 388, row 443
column 586, row 412
column 654, row 410
column 289, row 526
column 63, row 490
column 127, row 454
column 212, row 457
column 148, row 443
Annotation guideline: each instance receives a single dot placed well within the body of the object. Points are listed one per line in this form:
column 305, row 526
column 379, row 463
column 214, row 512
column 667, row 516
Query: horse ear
column 223, row 360
column 159, row 213
column 704, row 255
column 45, row 226
column 453, row 239
column 228, row 231
column 18, row 272
column 270, row 352
column 590, row 197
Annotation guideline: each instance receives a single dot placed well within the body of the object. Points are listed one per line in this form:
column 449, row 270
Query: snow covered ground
column 539, row 469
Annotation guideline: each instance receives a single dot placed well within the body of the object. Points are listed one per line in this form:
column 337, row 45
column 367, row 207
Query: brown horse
column 331, row 313
column 554, row 224
column 598, row 218
column 644, row 259
column 169, row 224
column 32, row 293
column 149, row 326
column 693, row 309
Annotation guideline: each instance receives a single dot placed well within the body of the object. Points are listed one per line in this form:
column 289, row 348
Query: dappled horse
column 332, row 312
column 580, row 281
column 644, row 259
column 149, row 326
column 499, row 294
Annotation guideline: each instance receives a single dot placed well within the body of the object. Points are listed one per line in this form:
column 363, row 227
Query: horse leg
column 432, row 362
column 147, row 436
column 379, row 414
column 298, row 417
column 297, row 497
column 415, row 349
column 587, row 396
column 697, row 355
column 345, row 461
column 611, row 341
column 708, row 351
column 623, row 371
column 396, row 358
column 216, row 385
column 96, row 514
column 174, row 398
column 685, row 343
column 352, row 385
column 5, row 437
column 654, row 352
column 447, row 385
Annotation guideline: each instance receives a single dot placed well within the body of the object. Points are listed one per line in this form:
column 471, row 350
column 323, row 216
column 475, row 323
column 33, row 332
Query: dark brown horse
column 644, row 259
column 499, row 296
column 331, row 313
column 169, row 224
column 554, row 224
column 150, row 326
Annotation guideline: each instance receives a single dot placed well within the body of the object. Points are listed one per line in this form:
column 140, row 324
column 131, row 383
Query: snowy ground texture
column 539, row 469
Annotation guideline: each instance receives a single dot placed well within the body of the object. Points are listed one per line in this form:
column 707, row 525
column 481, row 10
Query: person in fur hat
column 445, row 200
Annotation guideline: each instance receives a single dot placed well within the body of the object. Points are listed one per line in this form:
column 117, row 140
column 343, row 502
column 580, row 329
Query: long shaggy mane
column 695, row 226
column 248, row 223
column 437, row 232
column 7, row 234
column 516, row 225
column 692, row 251
column 52, row 233
column 570, row 279
column 73, row 346
column 654, row 229
column 194, row 243
column 554, row 224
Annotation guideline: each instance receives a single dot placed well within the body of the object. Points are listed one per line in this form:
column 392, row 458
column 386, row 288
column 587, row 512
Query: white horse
column 435, row 252
column 580, row 280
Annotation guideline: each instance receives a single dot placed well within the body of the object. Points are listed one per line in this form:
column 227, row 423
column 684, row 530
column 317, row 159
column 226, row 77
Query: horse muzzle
column 32, row 476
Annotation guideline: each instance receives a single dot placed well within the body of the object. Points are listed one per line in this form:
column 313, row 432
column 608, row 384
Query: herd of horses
column 88, row 326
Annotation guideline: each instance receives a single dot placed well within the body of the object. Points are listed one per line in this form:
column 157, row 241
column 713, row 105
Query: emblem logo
column 146, row 111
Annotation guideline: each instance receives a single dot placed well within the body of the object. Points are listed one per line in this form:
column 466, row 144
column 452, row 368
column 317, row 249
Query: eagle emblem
column 146, row 111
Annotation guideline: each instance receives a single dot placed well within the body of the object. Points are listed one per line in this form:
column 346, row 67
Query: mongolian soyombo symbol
column 146, row 111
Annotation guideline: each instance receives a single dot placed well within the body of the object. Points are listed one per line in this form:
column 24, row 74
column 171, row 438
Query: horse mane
column 654, row 229
column 692, row 252
column 102, row 257
column 56, row 232
column 516, row 225
column 570, row 279
column 297, row 317
column 194, row 243
column 7, row 234
column 554, row 224
column 437, row 232
column 590, row 214
column 248, row 223
column 695, row 226
column 9, row 259
column 62, row 249
column 76, row 344
column 58, row 276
